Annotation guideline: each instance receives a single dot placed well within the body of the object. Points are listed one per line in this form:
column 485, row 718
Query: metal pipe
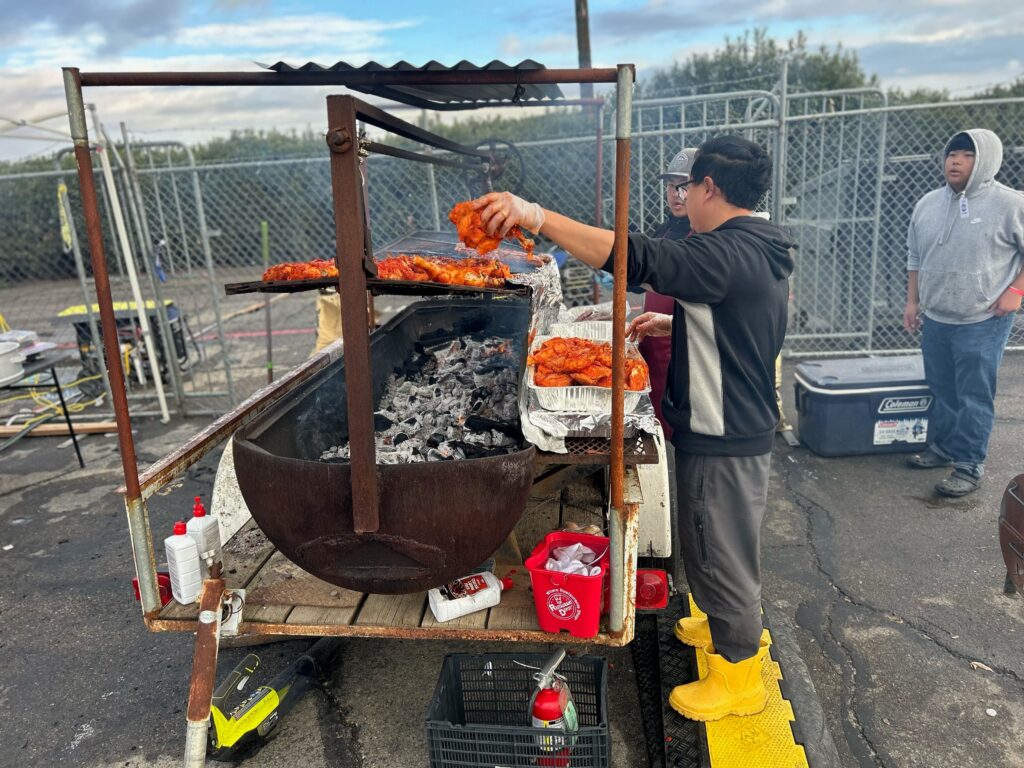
column 138, row 212
column 160, row 214
column 180, row 215
column 204, row 239
column 386, row 149
column 381, row 119
column 355, row 78
column 623, row 114
column 782, row 103
column 875, row 229
column 204, row 673
column 76, row 250
column 349, row 223
column 599, row 176
column 133, row 279
column 138, row 522
column 265, row 250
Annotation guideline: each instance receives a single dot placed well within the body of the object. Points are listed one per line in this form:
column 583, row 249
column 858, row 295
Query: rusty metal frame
column 343, row 113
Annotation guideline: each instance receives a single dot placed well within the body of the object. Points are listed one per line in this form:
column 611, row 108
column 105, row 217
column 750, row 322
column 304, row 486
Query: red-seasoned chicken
column 562, row 362
column 476, row 272
column 301, row 270
column 473, row 235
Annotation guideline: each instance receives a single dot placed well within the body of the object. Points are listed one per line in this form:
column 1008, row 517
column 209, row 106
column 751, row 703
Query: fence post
column 778, row 208
column 76, row 250
column 875, row 230
column 204, row 237
column 133, row 198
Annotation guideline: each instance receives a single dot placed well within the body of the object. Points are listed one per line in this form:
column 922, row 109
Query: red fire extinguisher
column 552, row 708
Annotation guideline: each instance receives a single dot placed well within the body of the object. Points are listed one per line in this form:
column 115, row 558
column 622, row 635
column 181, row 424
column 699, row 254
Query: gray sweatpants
column 721, row 502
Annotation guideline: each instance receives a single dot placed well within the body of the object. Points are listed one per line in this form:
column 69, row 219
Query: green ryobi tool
column 240, row 723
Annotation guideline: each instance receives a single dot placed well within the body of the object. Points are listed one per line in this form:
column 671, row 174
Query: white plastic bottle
column 183, row 565
column 205, row 530
column 466, row 595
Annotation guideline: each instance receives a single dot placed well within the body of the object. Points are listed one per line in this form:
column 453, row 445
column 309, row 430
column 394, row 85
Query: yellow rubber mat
column 757, row 741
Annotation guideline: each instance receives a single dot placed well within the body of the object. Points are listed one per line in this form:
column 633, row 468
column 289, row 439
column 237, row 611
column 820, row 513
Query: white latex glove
column 500, row 211
column 649, row 324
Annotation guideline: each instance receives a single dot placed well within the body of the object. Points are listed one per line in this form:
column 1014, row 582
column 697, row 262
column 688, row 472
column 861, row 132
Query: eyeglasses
column 681, row 188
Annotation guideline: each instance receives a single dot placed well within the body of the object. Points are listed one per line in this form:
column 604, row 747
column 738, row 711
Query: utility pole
column 583, row 44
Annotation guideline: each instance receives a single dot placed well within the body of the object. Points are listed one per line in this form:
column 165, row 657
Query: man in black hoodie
column 730, row 285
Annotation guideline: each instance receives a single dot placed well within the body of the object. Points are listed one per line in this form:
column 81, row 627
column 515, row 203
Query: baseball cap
column 680, row 165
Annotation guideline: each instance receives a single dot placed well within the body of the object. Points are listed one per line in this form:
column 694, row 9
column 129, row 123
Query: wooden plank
column 516, row 610
column 270, row 614
column 245, row 554
column 393, row 610
column 60, row 429
column 475, row 620
column 313, row 614
column 282, row 582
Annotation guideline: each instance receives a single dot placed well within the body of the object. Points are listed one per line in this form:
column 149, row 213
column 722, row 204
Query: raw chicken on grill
column 562, row 362
column 472, row 233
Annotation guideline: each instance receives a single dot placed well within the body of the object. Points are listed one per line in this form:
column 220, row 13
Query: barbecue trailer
column 350, row 524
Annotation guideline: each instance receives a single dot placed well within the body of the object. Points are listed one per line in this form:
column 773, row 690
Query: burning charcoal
column 435, row 439
column 400, row 438
column 435, row 455
column 381, row 422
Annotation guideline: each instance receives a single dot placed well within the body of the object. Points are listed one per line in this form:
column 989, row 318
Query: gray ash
column 456, row 400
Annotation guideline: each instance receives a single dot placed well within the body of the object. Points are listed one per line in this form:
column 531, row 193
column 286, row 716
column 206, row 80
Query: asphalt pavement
column 894, row 595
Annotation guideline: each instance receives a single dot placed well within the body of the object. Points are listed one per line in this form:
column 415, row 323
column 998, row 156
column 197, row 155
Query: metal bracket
column 231, row 612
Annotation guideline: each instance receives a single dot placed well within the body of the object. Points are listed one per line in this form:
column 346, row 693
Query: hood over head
column 779, row 248
column 988, row 157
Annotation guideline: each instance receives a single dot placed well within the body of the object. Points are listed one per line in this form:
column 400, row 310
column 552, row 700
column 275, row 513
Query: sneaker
column 958, row 484
column 928, row 459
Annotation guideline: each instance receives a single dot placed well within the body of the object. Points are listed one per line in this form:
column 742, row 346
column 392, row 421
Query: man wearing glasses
column 729, row 285
column 657, row 350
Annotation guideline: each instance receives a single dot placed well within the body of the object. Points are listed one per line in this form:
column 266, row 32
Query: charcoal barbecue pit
column 438, row 519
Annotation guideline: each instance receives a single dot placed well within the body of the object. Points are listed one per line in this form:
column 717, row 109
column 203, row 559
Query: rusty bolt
column 339, row 140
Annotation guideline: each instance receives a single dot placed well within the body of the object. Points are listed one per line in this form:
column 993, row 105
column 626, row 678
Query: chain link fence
column 849, row 170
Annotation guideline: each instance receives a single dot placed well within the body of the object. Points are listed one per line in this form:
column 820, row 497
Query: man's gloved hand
column 649, row 324
column 500, row 211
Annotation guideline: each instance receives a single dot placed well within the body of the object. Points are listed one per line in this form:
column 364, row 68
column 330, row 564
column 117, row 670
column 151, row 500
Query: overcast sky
column 961, row 46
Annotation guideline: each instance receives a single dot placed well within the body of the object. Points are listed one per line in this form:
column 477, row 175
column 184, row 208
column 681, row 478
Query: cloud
column 289, row 31
column 511, row 45
column 941, row 58
column 233, row 5
column 114, row 26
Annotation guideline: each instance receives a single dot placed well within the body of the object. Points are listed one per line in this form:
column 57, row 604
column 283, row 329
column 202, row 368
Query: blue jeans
column 960, row 365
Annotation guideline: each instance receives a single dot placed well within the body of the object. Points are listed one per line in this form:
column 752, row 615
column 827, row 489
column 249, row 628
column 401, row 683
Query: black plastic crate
column 479, row 715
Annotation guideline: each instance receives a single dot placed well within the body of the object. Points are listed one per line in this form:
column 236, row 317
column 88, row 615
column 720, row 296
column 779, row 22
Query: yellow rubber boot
column 728, row 689
column 695, row 631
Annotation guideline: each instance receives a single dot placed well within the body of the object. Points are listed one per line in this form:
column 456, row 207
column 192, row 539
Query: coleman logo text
column 905, row 404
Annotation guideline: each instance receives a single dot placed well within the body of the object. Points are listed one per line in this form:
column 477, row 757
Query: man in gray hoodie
column 965, row 258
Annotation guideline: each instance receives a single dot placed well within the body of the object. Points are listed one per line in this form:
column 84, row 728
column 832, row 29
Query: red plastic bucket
column 568, row 601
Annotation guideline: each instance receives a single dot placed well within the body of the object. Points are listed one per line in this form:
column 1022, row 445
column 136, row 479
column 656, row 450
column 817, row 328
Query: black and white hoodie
column 731, row 289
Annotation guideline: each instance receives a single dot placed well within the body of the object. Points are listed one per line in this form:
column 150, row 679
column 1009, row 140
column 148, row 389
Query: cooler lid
column 863, row 372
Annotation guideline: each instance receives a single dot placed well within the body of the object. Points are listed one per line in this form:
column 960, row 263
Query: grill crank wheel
column 504, row 171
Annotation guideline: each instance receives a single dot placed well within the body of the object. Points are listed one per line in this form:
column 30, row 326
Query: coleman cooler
column 863, row 405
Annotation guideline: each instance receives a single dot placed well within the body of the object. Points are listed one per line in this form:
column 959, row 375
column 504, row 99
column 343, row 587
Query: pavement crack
column 867, row 753
column 809, row 506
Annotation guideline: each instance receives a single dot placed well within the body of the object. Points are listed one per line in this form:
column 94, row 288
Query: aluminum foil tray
column 581, row 398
